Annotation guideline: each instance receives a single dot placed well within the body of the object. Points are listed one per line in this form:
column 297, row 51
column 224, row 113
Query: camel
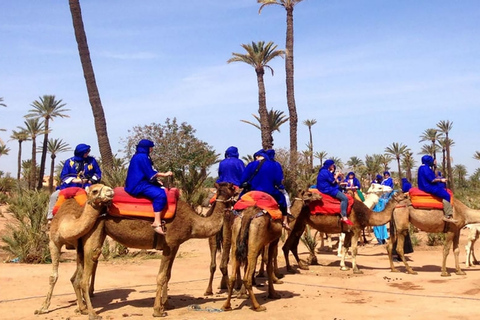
column 430, row 221
column 251, row 232
column 69, row 225
column 361, row 216
column 473, row 235
column 138, row 233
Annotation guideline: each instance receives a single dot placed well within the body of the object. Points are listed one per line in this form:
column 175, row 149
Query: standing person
column 428, row 182
column 327, row 183
column 81, row 171
column 142, row 181
column 387, row 180
column 231, row 168
column 266, row 175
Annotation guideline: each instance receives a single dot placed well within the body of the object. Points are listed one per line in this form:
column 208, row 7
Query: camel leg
column 212, row 243
column 272, row 294
column 227, row 244
column 401, row 253
column 474, row 259
column 354, row 245
column 446, row 249
column 263, row 262
column 343, row 267
column 161, row 296
column 247, row 278
column 341, row 240
column 291, row 244
column 456, row 253
column 276, row 271
column 393, row 237
column 91, row 289
column 76, row 280
column 231, row 282
column 55, row 254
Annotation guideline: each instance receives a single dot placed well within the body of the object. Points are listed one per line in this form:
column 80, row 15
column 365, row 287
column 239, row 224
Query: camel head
column 379, row 189
column 308, row 196
column 225, row 191
column 99, row 195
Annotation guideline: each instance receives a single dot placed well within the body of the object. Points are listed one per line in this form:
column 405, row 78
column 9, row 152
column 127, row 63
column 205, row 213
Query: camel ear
column 87, row 189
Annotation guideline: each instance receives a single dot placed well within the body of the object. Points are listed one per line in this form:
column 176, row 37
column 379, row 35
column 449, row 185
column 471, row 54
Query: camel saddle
column 260, row 199
column 328, row 204
column 423, row 200
column 124, row 204
column 77, row 193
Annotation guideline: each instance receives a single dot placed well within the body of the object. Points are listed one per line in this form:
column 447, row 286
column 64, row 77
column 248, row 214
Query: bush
column 435, row 239
column 28, row 239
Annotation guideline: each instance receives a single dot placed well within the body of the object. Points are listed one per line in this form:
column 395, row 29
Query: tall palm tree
column 338, row 163
column 460, row 172
column 309, row 124
column 20, row 136
column 321, row 155
column 445, row 127
column 385, row 160
column 431, row 135
column 355, row 163
column 93, row 94
column 4, row 150
column 289, row 69
column 55, row 146
column 397, row 150
column 34, row 128
column 428, row 149
column 275, row 120
column 258, row 56
column 373, row 164
column 408, row 162
column 47, row 108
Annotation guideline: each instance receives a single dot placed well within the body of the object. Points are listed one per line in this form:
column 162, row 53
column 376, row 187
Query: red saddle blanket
column 77, row 193
column 423, row 200
column 124, row 204
column 328, row 204
column 260, row 199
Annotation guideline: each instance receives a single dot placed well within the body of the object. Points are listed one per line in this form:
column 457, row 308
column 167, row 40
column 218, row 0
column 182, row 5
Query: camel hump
column 124, row 204
column 260, row 199
column 423, row 200
column 77, row 193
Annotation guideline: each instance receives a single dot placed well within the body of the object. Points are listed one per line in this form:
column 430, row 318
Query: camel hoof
column 279, row 276
column 260, row 308
column 460, row 273
column 357, row 272
column 94, row 317
column 344, row 268
column 227, row 308
column 395, row 270
column 158, row 314
column 41, row 311
column 278, row 281
column 446, row 274
column 410, row 271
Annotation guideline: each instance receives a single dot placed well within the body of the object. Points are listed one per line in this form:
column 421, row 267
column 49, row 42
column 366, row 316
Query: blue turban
column 427, row 160
column 80, row 150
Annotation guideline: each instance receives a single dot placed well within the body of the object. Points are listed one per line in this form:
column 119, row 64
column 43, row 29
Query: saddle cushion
column 77, row 193
column 124, row 204
column 328, row 204
column 423, row 200
column 260, row 199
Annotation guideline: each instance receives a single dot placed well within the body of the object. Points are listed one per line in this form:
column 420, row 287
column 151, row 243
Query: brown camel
column 431, row 221
column 250, row 234
column 138, row 233
column 361, row 216
column 69, row 225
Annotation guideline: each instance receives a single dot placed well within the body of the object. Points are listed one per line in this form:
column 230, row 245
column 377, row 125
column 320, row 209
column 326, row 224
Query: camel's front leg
column 76, row 281
column 212, row 243
column 227, row 244
column 227, row 306
column 343, row 267
column 161, row 296
column 247, row 279
column 393, row 238
column 272, row 294
column 446, row 249
column 354, row 244
column 401, row 253
column 55, row 254
column 456, row 253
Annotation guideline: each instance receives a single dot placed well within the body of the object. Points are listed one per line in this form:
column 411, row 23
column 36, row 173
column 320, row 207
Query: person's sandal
column 449, row 219
column 347, row 221
column 160, row 229
column 286, row 226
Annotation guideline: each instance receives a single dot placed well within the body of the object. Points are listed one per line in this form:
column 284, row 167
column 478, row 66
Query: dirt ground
column 126, row 288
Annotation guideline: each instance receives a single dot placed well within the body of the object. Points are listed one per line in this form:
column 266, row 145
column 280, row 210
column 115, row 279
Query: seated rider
column 387, row 180
column 267, row 179
column 142, row 181
column 231, row 168
column 81, row 171
column 271, row 154
column 352, row 182
column 327, row 183
column 428, row 182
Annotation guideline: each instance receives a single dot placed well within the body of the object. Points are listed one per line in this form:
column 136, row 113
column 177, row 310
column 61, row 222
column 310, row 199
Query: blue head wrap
column 378, row 177
column 328, row 163
column 270, row 153
column 144, row 146
column 231, row 152
column 427, row 160
column 386, row 172
column 80, row 150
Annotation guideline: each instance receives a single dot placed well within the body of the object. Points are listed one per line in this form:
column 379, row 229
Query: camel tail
column 242, row 240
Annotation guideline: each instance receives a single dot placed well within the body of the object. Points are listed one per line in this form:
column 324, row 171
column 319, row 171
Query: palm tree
column 431, row 135
column 309, row 124
column 93, row 94
column 338, row 163
column 47, row 108
column 275, row 120
column 355, row 163
column 289, row 69
column 397, row 150
column 20, row 136
column 460, row 171
column 445, row 126
column 320, row 155
column 428, row 149
column 4, row 150
column 34, row 128
column 476, row 155
column 1, row 102
column 258, row 56
column 408, row 162
column 55, row 146
column 385, row 160
column 373, row 164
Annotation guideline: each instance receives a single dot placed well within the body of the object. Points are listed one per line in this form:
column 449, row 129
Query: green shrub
column 27, row 239
column 435, row 239
column 413, row 237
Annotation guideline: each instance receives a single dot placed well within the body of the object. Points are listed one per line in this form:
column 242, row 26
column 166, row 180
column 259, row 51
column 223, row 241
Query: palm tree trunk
column 33, row 169
column 267, row 139
column 449, row 167
column 52, row 170
column 311, row 148
column 292, row 109
column 399, row 169
column 93, row 94
column 44, row 156
column 19, row 159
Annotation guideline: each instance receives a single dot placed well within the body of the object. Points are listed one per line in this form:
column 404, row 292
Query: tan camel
column 70, row 224
column 138, row 233
column 473, row 235
column 361, row 216
column 430, row 221
column 250, row 234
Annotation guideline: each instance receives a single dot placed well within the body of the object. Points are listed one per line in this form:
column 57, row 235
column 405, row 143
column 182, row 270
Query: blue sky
column 370, row 72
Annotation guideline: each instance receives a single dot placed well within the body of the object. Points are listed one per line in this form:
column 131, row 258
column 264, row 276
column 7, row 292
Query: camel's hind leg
column 400, row 251
column 456, row 253
column 55, row 254
column 212, row 243
column 291, row 245
column 272, row 253
column 247, row 278
column 446, row 249
column 347, row 240
column 76, row 279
